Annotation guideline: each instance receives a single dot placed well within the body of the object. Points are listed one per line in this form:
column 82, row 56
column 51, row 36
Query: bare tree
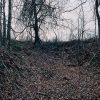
column 0, row 21
column 97, row 3
column 35, row 12
column 9, row 23
column 4, row 24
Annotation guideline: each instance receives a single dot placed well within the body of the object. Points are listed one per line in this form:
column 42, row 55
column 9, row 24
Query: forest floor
column 52, row 72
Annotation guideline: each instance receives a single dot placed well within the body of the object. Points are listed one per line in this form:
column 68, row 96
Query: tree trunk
column 98, row 18
column 9, row 24
column 0, row 22
column 37, row 39
column 4, row 24
column 99, row 28
column 36, row 28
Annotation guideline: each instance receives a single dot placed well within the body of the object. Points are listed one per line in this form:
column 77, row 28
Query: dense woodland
column 34, row 67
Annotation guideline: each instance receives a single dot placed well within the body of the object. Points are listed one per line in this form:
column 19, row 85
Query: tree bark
column 4, row 24
column 98, row 17
column 35, row 26
column 9, row 24
column 37, row 39
column 0, row 23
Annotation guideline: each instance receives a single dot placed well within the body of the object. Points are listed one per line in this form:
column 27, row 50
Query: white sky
column 71, row 21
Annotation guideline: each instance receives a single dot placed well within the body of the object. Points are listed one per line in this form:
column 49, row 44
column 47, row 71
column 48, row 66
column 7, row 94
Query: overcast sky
column 70, row 19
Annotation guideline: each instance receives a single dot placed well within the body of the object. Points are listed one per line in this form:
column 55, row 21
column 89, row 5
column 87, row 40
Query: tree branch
column 75, row 7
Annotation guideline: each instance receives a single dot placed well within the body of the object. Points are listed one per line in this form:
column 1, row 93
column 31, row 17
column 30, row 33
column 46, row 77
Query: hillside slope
column 52, row 72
